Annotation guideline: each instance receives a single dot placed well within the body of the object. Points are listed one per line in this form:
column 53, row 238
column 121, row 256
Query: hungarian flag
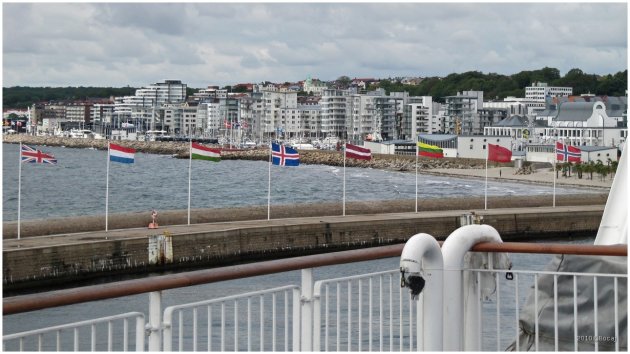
column 430, row 150
column 357, row 152
column 568, row 153
column 498, row 153
column 200, row 152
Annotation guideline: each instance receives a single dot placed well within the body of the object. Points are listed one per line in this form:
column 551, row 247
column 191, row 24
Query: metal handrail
column 32, row 302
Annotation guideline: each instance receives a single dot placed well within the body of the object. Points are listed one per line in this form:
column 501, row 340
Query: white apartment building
column 540, row 90
column 461, row 111
column 336, row 108
column 311, row 116
column 279, row 112
column 362, row 120
column 418, row 117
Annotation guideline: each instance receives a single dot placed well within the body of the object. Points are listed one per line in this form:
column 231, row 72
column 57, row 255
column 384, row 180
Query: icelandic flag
column 122, row 154
column 284, row 156
column 567, row 153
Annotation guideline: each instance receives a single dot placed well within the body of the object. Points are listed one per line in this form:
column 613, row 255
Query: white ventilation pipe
column 421, row 269
column 457, row 244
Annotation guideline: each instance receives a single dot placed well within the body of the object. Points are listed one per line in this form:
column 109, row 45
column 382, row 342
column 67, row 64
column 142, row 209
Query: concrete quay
column 54, row 259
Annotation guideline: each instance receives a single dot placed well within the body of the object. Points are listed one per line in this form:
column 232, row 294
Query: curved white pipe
column 422, row 256
column 457, row 244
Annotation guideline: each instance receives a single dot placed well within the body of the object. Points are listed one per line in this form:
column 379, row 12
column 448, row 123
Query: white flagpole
column 417, row 177
column 486, row 193
column 269, row 186
column 107, row 189
column 344, row 179
column 555, row 160
column 19, row 189
column 189, row 177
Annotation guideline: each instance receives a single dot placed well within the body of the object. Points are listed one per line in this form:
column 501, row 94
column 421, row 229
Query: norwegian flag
column 244, row 124
column 568, row 153
column 30, row 155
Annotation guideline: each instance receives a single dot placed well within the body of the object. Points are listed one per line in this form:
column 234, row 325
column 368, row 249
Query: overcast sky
column 202, row 44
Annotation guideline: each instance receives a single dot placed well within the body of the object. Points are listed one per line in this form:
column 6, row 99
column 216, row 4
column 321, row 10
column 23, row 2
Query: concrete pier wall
column 101, row 254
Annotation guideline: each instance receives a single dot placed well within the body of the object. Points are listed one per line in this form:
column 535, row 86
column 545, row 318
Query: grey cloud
column 224, row 43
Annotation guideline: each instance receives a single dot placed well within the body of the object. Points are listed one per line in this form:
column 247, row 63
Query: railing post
column 306, row 304
column 296, row 320
column 140, row 323
column 155, row 321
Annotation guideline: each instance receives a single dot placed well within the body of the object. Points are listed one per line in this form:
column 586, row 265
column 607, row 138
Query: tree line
column 494, row 86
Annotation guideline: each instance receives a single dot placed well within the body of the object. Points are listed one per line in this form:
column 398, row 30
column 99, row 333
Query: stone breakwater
column 313, row 157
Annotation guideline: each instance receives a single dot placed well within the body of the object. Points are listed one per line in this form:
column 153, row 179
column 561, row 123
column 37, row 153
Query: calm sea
column 77, row 184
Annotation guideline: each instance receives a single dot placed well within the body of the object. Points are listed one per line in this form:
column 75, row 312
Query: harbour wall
column 209, row 245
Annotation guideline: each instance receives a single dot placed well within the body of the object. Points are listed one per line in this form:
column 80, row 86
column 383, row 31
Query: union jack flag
column 28, row 154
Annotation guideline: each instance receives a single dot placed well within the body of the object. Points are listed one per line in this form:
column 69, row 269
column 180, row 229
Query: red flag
column 498, row 153
column 357, row 152
column 568, row 153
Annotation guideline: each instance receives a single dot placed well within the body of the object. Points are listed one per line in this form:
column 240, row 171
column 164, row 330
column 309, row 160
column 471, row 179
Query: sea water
column 77, row 184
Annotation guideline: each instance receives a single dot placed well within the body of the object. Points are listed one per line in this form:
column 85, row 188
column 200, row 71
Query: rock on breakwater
column 313, row 157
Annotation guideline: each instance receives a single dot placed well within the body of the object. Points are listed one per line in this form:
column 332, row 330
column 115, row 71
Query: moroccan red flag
column 498, row 153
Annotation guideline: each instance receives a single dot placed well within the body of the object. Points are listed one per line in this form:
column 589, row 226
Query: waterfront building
column 362, row 121
column 462, row 115
column 539, row 91
column 335, row 110
column 311, row 118
column 389, row 113
column 279, row 112
column 476, row 146
column 418, row 117
column 584, row 120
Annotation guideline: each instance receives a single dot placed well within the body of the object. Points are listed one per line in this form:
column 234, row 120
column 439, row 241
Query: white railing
column 68, row 337
column 268, row 319
column 500, row 323
column 363, row 312
column 358, row 313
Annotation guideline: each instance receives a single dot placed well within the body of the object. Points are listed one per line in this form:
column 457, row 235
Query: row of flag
column 281, row 155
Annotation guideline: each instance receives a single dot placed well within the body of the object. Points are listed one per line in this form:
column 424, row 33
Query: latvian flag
column 200, row 152
column 567, row 153
column 121, row 154
column 430, row 150
column 357, row 152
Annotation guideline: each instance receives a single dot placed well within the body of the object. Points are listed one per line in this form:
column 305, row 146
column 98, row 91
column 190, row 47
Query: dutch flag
column 122, row 154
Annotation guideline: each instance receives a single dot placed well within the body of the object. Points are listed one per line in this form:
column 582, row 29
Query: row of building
column 277, row 112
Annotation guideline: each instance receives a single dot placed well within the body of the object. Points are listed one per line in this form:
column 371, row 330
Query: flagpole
column 269, row 185
column 19, row 189
column 107, row 189
column 486, row 192
column 416, row 177
column 189, row 177
column 554, row 178
column 344, row 179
